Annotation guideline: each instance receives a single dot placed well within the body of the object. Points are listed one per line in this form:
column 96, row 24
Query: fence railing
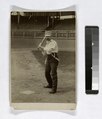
column 36, row 34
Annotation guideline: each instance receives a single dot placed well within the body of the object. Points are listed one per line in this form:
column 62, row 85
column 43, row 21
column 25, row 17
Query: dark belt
column 54, row 53
column 53, row 56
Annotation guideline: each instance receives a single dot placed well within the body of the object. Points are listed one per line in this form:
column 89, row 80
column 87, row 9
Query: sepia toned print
column 43, row 60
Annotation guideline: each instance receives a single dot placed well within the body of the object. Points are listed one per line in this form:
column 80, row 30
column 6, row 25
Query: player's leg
column 47, row 75
column 54, row 76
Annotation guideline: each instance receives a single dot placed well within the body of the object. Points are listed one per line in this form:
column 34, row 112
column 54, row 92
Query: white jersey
column 51, row 47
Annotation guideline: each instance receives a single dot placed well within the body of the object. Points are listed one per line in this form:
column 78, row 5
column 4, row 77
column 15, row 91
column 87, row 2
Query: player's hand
column 39, row 45
column 40, row 48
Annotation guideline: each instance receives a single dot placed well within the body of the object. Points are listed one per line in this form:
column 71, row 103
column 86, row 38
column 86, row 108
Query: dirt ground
column 27, row 77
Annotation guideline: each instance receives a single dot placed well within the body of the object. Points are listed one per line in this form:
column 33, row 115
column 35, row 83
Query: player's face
column 47, row 42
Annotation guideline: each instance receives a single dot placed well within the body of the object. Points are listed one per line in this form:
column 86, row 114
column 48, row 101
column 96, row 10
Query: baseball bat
column 42, row 42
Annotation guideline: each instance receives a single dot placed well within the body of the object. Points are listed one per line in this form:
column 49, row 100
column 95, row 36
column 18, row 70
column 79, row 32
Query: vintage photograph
column 43, row 58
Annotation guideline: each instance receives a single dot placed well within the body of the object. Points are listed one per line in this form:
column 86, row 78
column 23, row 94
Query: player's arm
column 42, row 49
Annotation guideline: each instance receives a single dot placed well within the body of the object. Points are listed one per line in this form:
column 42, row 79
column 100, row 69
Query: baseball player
column 51, row 51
